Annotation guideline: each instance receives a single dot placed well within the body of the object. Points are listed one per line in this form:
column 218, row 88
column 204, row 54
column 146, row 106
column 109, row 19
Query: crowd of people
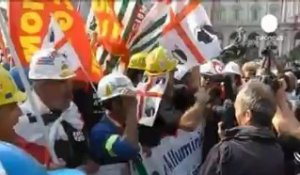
column 248, row 127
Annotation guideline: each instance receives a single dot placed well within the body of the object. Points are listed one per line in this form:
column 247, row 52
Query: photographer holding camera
column 252, row 145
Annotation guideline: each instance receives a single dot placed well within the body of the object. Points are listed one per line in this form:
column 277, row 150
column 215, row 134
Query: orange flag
column 29, row 21
column 109, row 28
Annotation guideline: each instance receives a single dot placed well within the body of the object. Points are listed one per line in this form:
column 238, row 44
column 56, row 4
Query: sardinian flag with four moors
column 150, row 92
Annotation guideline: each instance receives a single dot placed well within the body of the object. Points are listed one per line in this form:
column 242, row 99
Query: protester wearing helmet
column 9, row 110
column 169, row 118
column 51, row 76
column 14, row 161
column 114, row 140
column 136, row 67
column 232, row 70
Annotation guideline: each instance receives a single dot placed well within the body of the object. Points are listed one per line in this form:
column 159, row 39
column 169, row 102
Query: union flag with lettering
column 130, row 15
column 28, row 25
column 109, row 28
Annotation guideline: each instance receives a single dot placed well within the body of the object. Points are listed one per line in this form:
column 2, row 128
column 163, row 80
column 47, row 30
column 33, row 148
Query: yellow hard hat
column 137, row 61
column 9, row 92
column 157, row 62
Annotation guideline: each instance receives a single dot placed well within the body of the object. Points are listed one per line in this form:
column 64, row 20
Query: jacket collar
column 250, row 132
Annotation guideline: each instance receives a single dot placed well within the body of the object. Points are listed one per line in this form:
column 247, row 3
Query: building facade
column 228, row 15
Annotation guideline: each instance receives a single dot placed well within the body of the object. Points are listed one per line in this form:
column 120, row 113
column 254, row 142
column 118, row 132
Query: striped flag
column 188, row 34
column 126, row 11
column 150, row 29
column 130, row 14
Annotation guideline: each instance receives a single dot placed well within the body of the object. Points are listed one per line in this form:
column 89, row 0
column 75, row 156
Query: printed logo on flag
column 150, row 92
column 179, row 55
column 204, row 34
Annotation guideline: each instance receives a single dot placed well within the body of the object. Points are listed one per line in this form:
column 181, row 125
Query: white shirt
column 34, row 133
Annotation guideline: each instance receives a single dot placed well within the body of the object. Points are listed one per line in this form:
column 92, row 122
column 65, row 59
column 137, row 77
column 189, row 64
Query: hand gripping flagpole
column 27, row 87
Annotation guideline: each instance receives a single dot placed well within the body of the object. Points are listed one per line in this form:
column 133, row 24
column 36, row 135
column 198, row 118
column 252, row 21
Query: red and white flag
column 188, row 34
column 150, row 92
column 55, row 38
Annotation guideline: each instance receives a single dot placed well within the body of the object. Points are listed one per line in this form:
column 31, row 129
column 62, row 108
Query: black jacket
column 245, row 151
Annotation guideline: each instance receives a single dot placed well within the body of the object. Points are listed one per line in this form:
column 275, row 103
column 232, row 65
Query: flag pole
column 27, row 86
column 78, row 6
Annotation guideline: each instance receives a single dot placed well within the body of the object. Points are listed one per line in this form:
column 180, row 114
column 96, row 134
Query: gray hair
column 259, row 99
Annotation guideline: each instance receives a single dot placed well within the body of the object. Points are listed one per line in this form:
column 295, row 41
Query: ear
column 247, row 117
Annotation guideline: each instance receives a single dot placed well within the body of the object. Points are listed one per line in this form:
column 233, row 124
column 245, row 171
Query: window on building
column 297, row 39
column 237, row 13
column 219, row 13
column 255, row 12
column 253, row 46
column 274, row 9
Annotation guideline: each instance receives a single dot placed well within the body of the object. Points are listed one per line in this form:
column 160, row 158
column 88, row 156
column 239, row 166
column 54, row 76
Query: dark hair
column 133, row 75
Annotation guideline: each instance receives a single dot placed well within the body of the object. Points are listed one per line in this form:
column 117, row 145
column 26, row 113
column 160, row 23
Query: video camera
column 265, row 73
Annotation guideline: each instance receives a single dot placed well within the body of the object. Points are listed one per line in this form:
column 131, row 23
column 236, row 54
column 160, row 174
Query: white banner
column 176, row 155
column 151, row 90
column 188, row 34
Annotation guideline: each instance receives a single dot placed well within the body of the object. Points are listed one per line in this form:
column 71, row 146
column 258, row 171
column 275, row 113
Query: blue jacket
column 15, row 161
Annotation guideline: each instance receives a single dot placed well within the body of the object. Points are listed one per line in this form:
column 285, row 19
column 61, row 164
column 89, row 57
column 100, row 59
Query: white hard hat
column 111, row 86
column 212, row 67
column 232, row 68
column 49, row 64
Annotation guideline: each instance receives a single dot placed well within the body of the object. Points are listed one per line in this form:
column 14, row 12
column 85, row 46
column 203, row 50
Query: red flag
column 29, row 21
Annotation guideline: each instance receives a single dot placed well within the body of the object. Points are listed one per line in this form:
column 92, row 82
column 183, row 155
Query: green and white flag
column 150, row 29
column 130, row 14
